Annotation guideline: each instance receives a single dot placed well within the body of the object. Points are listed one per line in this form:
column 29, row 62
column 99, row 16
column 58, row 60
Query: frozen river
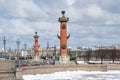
column 76, row 75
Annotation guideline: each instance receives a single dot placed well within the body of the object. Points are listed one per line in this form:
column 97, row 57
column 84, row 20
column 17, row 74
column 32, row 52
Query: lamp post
column 25, row 46
column 18, row 43
column 4, row 43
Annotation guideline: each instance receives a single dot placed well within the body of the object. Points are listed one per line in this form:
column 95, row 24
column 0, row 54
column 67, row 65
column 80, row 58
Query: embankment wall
column 57, row 68
column 7, row 70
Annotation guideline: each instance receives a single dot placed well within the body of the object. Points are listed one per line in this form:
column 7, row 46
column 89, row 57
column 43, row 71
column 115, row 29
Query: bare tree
column 113, row 55
column 101, row 55
column 118, row 54
column 88, row 54
column 96, row 54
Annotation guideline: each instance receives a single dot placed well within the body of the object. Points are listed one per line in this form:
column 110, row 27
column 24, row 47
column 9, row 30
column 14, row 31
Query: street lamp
column 4, row 43
column 25, row 49
column 25, row 46
column 18, row 43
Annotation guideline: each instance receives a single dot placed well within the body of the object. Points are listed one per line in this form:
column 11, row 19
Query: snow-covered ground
column 76, row 75
column 83, row 62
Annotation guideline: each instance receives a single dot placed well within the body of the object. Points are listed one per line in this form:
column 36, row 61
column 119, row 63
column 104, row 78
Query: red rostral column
column 36, row 47
column 63, row 35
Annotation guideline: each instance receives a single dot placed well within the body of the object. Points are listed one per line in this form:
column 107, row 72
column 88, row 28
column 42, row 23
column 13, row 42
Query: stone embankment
column 7, row 70
column 57, row 68
column 33, row 70
column 113, row 66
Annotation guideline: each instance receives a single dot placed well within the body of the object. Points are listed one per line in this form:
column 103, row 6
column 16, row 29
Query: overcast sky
column 92, row 22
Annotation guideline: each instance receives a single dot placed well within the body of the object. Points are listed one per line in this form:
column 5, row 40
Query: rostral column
column 36, row 47
column 64, row 58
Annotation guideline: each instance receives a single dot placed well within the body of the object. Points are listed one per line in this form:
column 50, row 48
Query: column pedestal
column 36, row 58
column 64, row 59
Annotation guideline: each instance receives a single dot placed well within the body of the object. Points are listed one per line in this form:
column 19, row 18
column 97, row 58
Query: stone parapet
column 113, row 66
column 58, row 68
column 7, row 70
column 7, row 65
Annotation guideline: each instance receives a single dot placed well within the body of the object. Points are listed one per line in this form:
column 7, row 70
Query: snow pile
column 76, row 75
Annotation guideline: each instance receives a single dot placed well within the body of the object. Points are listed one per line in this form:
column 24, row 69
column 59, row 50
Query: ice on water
column 76, row 75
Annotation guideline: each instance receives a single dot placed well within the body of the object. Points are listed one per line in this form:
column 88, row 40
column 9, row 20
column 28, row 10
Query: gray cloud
column 109, row 5
column 92, row 22
column 95, row 12
column 22, row 9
